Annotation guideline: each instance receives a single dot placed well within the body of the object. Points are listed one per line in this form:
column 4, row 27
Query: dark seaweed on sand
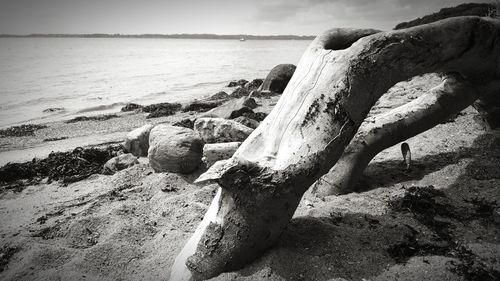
column 66, row 167
column 21, row 131
column 162, row 106
column 161, row 109
column 92, row 118
column 432, row 208
column 5, row 254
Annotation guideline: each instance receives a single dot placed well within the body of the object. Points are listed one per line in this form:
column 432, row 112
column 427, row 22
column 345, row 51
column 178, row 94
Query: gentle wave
column 101, row 107
column 85, row 75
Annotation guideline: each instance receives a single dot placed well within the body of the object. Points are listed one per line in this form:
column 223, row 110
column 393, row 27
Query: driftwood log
column 385, row 130
column 339, row 78
column 488, row 107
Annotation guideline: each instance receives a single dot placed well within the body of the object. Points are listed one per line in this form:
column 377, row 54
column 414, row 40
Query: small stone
column 119, row 163
column 239, row 92
column 219, row 96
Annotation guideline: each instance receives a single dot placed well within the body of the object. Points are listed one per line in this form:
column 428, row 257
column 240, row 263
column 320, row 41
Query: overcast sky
column 263, row 17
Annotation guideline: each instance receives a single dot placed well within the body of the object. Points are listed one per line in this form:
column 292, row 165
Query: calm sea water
column 87, row 76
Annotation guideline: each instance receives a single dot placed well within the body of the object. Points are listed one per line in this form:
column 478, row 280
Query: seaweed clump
column 161, row 109
column 5, row 254
column 433, row 208
column 66, row 167
column 92, row 118
column 21, row 131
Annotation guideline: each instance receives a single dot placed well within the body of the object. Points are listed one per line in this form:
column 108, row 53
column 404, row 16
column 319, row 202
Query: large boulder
column 137, row 141
column 232, row 109
column 174, row 149
column 278, row 78
column 213, row 152
column 214, row 130
column 119, row 163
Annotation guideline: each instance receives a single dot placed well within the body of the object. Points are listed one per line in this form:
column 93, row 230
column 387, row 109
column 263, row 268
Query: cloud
column 305, row 17
column 312, row 15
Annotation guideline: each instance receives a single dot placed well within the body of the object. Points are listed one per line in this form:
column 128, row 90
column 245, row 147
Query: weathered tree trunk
column 387, row 129
column 488, row 107
column 337, row 81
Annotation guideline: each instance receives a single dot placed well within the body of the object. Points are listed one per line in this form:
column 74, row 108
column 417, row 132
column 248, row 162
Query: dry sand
column 131, row 225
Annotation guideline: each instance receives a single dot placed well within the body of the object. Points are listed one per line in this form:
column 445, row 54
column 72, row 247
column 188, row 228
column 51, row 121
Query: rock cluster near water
column 225, row 121
column 214, row 130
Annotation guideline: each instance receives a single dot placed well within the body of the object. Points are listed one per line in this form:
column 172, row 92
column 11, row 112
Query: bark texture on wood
column 385, row 130
column 339, row 78
column 488, row 107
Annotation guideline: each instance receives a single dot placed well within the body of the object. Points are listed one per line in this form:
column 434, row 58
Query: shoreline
column 65, row 135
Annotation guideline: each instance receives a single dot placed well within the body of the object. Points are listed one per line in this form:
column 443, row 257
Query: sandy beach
column 132, row 147
column 437, row 221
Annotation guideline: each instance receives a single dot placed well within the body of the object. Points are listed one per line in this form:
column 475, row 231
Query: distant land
column 167, row 36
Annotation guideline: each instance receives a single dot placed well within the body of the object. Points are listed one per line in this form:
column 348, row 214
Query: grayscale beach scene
column 250, row 140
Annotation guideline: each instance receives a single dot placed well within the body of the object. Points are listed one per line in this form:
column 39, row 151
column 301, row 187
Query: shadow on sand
column 425, row 231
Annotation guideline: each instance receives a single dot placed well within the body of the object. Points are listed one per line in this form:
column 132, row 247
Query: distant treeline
column 175, row 36
column 470, row 9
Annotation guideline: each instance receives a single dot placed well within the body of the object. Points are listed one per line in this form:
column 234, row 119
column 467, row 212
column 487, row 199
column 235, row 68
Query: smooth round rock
column 137, row 141
column 174, row 149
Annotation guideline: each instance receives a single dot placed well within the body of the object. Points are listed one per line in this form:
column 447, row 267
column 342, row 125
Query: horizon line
column 160, row 35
